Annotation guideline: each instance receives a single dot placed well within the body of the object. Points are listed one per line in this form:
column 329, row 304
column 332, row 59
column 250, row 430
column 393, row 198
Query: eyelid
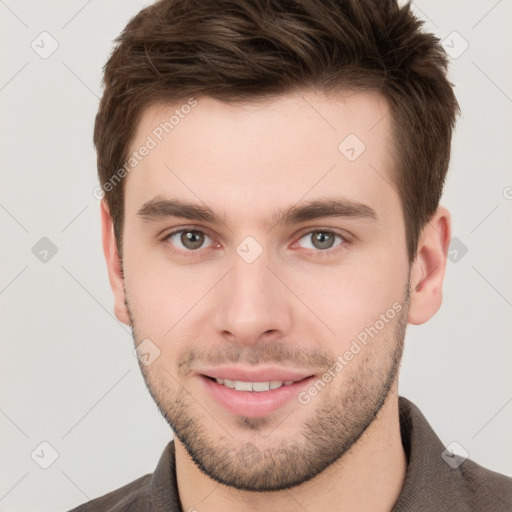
column 335, row 231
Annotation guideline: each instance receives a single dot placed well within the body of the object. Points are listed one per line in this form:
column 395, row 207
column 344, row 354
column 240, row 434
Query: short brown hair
column 245, row 50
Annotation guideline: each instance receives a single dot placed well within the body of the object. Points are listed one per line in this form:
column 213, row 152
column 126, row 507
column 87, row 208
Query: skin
column 295, row 306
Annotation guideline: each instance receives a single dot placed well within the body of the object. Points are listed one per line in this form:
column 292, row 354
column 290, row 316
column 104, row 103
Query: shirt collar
column 430, row 484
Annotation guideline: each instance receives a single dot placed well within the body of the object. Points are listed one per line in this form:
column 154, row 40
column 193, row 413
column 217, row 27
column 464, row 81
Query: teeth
column 253, row 386
column 229, row 383
column 260, row 386
column 243, row 386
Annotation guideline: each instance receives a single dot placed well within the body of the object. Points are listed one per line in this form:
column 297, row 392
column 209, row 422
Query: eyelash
column 316, row 252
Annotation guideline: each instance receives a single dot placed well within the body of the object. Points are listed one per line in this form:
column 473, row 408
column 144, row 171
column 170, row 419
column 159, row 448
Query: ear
column 115, row 271
column 427, row 272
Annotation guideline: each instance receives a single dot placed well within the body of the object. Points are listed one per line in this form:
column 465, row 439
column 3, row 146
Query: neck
column 368, row 477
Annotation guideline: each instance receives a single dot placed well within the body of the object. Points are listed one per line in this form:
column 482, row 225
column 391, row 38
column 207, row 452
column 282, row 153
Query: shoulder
column 438, row 479
column 157, row 490
column 487, row 489
column 129, row 498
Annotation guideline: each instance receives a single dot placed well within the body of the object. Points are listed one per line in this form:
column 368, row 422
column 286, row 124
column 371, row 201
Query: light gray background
column 68, row 374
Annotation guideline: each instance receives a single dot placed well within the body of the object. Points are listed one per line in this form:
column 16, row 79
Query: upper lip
column 255, row 374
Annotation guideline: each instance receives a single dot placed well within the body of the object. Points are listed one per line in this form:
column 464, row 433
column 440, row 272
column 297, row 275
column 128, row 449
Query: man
column 272, row 173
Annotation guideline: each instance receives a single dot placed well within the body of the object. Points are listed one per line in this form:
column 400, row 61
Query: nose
column 252, row 304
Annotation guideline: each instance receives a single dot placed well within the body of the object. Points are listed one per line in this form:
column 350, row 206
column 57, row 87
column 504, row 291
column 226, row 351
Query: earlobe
column 115, row 271
column 427, row 272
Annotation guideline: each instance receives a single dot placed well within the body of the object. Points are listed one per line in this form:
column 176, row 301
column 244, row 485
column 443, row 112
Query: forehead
column 259, row 154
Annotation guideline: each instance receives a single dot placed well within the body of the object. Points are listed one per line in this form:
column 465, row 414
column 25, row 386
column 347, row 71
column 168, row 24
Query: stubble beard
column 337, row 422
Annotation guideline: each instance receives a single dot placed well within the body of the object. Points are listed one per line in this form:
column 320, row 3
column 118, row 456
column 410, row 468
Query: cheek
column 164, row 297
column 351, row 297
column 359, row 304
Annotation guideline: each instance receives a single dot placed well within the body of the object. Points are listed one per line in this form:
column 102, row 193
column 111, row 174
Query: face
column 264, row 248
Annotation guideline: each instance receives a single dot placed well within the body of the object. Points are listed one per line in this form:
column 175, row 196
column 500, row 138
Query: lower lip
column 253, row 404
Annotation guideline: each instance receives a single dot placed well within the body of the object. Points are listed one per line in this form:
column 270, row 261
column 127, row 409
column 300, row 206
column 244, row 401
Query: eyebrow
column 161, row 208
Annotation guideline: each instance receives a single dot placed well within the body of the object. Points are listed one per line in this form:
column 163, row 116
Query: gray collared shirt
column 435, row 480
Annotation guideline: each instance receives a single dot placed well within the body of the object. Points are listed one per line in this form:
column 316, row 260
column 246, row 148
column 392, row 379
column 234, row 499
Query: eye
column 321, row 239
column 188, row 239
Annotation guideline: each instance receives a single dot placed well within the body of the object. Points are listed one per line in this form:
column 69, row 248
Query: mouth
column 255, row 393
